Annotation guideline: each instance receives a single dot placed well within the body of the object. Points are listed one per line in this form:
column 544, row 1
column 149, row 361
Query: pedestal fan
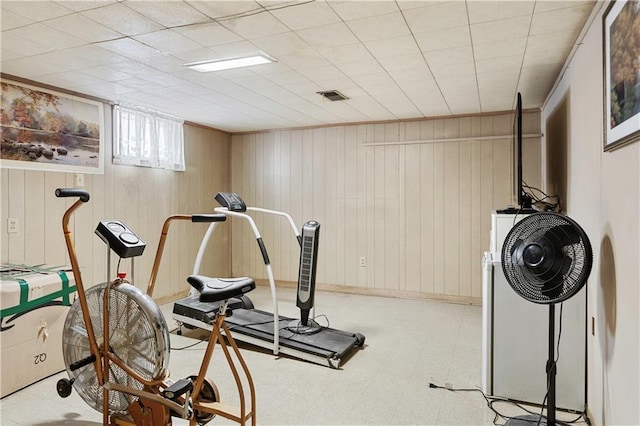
column 546, row 259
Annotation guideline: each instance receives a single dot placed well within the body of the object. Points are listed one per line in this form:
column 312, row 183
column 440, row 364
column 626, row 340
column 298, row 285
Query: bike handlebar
column 73, row 192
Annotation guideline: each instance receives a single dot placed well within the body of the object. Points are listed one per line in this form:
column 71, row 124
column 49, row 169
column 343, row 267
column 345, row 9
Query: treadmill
column 300, row 338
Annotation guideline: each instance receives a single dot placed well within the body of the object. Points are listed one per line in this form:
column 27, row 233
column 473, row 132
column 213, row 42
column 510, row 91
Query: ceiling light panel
column 230, row 63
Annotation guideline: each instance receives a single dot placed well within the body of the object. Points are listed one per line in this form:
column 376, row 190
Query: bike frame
column 104, row 358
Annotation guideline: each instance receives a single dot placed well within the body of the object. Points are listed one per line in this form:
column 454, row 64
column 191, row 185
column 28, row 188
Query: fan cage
column 138, row 336
column 569, row 242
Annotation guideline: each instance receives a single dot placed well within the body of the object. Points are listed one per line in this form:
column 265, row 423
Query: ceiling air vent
column 333, row 95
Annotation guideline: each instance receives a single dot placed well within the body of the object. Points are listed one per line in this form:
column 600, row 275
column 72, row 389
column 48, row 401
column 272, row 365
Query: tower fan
column 546, row 259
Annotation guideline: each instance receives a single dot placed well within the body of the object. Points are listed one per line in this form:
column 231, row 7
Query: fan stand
column 550, row 419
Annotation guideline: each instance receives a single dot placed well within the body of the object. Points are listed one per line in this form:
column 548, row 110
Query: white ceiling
column 392, row 59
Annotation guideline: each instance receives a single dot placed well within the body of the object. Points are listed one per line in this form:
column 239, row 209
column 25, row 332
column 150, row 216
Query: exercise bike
column 116, row 340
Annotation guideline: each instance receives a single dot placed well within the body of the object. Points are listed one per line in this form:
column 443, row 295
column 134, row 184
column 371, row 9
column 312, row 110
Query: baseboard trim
column 398, row 294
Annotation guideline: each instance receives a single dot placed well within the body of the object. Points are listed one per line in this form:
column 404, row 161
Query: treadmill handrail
column 272, row 283
column 279, row 213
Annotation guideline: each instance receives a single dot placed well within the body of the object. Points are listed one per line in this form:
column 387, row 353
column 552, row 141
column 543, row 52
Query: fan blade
column 565, row 235
column 554, row 278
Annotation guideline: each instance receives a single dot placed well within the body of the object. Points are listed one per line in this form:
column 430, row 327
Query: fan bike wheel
column 138, row 336
column 208, row 393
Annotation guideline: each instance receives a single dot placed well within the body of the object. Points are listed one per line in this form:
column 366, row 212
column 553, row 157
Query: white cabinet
column 515, row 336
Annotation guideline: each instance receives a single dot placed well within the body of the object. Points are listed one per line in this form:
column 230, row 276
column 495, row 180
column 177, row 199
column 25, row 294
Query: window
column 147, row 138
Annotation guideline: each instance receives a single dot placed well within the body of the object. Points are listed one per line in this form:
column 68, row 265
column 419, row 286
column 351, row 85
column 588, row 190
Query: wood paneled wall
column 140, row 197
column 418, row 213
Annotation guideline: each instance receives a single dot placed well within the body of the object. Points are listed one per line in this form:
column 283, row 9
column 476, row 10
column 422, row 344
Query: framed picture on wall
column 46, row 130
column 621, row 48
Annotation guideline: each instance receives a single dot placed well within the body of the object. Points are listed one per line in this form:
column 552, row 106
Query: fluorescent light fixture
column 229, row 63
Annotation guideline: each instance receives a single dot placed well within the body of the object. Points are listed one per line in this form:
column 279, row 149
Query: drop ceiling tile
column 23, row 67
column 165, row 80
column 546, row 6
column 347, row 53
column 328, row 36
column 140, row 84
column 505, row 29
column 269, row 69
column 498, row 49
column 135, row 68
column 434, row 106
column 9, row 55
column 441, row 16
column 254, row 82
column 122, row 19
column 94, row 55
column 370, row 108
column 302, row 62
column 65, row 60
column 167, row 41
column 197, row 55
column 166, row 63
column 253, row 26
column 288, row 78
column 444, row 39
column 108, row 90
column 282, row 44
column 168, row 13
column 418, row 77
column 373, row 83
column 12, row 20
column 36, row 10
column 455, row 74
column 306, row 15
column 368, row 66
column 446, row 57
column 511, row 63
column 396, row 46
column 487, row 11
column 350, row 10
column 79, row 6
column 130, row 48
column 322, row 73
column 226, row 9
column 379, row 27
column 498, row 81
column 550, row 56
column 106, row 73
column 557, row 39
column 238, row 48
column 403, row 62
column 80, row 26
column 234, row 73
column 414, row 4
column 558, row 20
column 209, row 34
column 45, row 36
column 27, row 47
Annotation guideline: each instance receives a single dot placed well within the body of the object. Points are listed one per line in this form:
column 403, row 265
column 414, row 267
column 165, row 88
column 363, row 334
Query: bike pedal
column 178, row 389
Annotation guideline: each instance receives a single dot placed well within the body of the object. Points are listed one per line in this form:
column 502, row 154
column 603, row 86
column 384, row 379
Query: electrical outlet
column 79, row 180
column 363, row 262
column 12, row 225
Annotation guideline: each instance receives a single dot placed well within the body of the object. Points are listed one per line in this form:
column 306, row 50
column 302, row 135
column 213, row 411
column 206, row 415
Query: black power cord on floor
column 582, row 417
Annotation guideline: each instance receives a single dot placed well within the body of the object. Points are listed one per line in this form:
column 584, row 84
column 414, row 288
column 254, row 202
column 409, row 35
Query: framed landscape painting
column 621, row 49
column 46, row 130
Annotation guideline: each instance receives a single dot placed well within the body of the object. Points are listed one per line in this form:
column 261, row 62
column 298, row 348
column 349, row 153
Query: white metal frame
column 200, row 255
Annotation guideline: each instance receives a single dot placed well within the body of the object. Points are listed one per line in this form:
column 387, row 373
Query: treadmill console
column 120, row 239
column 231, row 201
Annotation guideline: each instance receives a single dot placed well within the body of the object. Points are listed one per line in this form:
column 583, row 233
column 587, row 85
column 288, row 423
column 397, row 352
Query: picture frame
column 48, row 130
column 621, row 48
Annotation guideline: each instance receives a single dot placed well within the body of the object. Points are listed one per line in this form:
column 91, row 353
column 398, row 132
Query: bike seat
column 217, row 289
